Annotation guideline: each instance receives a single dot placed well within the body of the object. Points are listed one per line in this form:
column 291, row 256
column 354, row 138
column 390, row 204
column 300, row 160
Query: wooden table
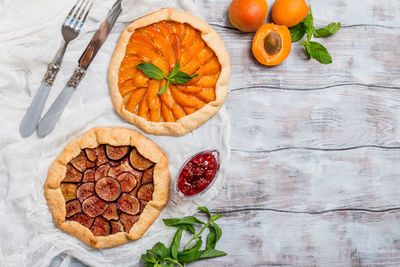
column 314, row 177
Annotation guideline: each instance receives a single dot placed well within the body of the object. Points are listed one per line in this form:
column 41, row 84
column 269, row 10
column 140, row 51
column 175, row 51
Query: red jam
column 198, row 173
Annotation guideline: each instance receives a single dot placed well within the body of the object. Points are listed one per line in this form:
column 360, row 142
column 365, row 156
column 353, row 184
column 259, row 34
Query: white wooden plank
column 312, row 181
column 339, row 117
column 257, row 238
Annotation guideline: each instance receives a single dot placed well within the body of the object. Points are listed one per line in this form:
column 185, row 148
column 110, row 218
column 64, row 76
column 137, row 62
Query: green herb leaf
column 181, row 78
column 309, row 24
column 174, row 70
column 160, row 251
column 150, row 264
column 151, row 70
column 216, row 216
column 212, row 253
column 205, row 210
column 318, row 52
column 297, row 32
column 329, row 29
column 211, row 237
column 188, row 227
column 148, row 258
column 218, row 230
column 185, row 220
column 176, row 241
column 162, row 89
column 192, row 253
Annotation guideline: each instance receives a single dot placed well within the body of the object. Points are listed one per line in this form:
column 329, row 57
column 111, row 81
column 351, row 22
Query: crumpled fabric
column 29, row 38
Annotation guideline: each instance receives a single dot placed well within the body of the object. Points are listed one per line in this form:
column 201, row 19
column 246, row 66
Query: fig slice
column 68, row 190
column 88, row 175
column 91, row 154
column 83, row 219
column 128, row 220
column 148, row 176
column 94, row 206
column 84, row 191
column 143, row 204
column 116, row 227
column 101, row 157
column 138, row 161
column 73, row 207
column 116, row 152
column 108, row 189
column 111, row 212
column 127, row 181
column 72, row 174
column 146, row 192
column 81, row 162
column 102, row 172
column 129, row 204
column 124, row 167
column 100, row 227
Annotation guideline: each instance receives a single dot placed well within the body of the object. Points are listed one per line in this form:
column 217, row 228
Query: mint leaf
column 218, row 230
column 309, row 24
column 174, row 70
column 297, row 32
column 205, row 210
column 329, row 29
column 149, row 258
column 151, row 70
column 192, row 253
column 176, row 241
column 182, row 77
column 160, row 250
column 162, row 89
column 212, row 253
column 318, row 52
column 211, row 238
column 216, row 216
column 188, row 227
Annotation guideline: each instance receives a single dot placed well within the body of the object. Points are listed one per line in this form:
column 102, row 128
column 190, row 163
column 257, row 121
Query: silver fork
column 70, row 30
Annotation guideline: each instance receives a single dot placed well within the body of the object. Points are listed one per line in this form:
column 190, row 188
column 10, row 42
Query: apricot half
column 289, row 12
column 272, row 44
column 248, row 15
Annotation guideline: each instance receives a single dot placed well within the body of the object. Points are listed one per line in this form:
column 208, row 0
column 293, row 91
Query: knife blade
column 49, row 120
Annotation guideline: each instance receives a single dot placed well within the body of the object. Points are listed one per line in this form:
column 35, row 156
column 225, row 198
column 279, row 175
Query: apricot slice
column 111, row 212
column 100, row 227
column 146, row 192
column 73, row 207
column 116, row 152
column 94, row 206
column 272, row 44
column 83, row 219
column 129, row 204
column 72, row 174
column 68, row 190
column 108, row 189
column 248, row 15
column 167, row 114
column 128, row 220
column 289, row 12
column 84, row 191
column 88, row 175
column 127, row 181
column 138, row 161
column 135, row 99
column 81, row 163
column 116, row 227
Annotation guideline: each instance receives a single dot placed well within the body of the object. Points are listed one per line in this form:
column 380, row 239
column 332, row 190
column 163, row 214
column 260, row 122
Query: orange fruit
column 248, row 15
column 289, row 12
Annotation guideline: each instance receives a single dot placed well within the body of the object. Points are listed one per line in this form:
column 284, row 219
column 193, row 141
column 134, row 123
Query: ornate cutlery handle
column 48, row 122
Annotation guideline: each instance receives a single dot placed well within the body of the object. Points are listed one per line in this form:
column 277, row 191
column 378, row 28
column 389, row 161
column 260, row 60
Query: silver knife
column 48, row 122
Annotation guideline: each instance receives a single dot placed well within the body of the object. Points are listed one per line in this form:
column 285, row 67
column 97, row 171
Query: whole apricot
column 248, row 15
column 289, row 12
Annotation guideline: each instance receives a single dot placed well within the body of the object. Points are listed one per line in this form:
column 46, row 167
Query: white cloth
column 29, row 37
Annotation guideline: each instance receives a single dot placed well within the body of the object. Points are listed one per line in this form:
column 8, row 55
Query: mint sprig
column 175, row 76
column 314, row 50
column 160, row 255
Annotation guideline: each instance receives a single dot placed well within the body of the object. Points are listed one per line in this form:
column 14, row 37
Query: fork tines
column 73, row 19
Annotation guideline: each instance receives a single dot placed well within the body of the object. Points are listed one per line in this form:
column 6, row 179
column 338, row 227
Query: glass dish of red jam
column 197, row 174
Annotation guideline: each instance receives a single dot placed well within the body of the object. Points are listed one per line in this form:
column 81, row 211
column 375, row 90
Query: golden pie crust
column 192, row 119
column 113, row 137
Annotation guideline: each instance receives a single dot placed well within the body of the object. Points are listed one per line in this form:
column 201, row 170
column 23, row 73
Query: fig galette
column 108, row 186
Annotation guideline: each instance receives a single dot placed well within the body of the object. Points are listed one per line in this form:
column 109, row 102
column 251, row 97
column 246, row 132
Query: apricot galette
column 177, row 44
column 108, row 186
